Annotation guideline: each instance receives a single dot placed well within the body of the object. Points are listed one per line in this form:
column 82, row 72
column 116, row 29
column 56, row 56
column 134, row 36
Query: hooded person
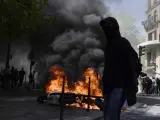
column 120, row 72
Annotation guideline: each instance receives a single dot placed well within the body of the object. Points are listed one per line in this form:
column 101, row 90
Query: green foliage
column 21, row 16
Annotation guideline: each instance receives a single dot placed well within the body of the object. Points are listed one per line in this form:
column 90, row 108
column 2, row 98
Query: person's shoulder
column 125, row 42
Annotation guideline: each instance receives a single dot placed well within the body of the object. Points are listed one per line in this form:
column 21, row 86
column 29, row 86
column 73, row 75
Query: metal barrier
column 89, row 84
column 62, row 97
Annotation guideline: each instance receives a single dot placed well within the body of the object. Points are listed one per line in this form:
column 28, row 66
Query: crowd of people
column 150, row 85
column 14, row 78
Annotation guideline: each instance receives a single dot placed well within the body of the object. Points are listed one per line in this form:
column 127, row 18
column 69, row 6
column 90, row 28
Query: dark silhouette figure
column 13, row 77
column 147, row 84
column 31, row 79
column 16, row 76
column 158, row 86
column 1, row 78
column 6, row 78
column 122, row 83
column 22, row 73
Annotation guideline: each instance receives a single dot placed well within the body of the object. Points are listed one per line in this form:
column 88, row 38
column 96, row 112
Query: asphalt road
column 24, row 107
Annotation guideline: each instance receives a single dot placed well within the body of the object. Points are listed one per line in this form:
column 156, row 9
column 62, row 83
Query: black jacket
column 118, row 71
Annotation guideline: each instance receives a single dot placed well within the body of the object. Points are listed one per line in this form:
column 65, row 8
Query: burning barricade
column 85, row 93
column 76, row 96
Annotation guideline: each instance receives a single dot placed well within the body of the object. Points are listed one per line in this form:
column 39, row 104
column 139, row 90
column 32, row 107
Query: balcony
column 150, row 24
column 150, row 44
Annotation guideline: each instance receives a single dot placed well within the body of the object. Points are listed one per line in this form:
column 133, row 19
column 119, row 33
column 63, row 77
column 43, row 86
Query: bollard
column 62, row 100
column 89, row 83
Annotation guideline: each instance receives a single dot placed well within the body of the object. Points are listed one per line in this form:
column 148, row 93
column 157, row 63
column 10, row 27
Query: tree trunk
column 8, row 53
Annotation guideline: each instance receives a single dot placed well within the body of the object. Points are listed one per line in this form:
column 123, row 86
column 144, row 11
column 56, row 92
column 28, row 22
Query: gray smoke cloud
column 81, row 50
column 91, row 19
column 19, row 52
column 75, row 10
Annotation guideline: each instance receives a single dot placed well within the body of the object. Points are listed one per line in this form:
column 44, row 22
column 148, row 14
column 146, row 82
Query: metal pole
column 62, row 100
column 89, row 83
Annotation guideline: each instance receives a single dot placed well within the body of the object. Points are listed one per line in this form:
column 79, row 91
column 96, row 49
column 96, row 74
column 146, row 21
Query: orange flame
column 81, row 87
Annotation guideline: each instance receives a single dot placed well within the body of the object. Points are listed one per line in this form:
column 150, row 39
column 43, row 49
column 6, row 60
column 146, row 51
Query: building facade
column 152, row 43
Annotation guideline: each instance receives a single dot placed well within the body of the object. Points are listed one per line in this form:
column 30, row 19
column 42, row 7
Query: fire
column 81, row 87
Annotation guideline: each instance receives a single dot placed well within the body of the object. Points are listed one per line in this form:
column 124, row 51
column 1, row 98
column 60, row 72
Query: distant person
column 6, row 78
column 150, row 85
column 147, row 84
column 16, row 77
column 1, row 78
column 118, row 84
column 13, row 77
column 22, row 73
column 32, row 79
column 158, row 85
column 154, row 86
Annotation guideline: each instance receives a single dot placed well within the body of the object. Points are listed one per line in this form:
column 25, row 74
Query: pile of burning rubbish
column 83, row 93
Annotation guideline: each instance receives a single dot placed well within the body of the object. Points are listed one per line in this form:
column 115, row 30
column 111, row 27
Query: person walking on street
column 158, row 85
column 154, row 86
column 118, row 85
column 22, row 73
column 147, row 84
column 16, row 77
column 32, row 79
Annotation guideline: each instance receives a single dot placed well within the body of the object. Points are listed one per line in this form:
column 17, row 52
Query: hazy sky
column 134, row 8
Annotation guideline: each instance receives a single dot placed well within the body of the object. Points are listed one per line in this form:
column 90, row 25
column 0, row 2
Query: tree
column 18, row 17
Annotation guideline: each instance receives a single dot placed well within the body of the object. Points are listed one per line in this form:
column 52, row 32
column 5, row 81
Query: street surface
column 26, row 108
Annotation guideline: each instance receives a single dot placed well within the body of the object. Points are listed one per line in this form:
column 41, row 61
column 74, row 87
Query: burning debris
column 77, row 95
column 80, row 87
column 79, row 90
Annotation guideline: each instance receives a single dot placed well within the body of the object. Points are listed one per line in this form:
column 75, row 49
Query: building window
column 150, row 37
column 155, row 15
column 148, row 58
column 155, row 35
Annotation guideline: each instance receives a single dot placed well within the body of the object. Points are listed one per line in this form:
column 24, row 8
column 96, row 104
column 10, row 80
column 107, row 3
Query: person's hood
column 111, row 28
